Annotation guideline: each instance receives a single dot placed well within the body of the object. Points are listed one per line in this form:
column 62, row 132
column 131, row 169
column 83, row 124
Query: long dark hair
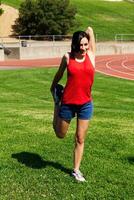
column 77, row 36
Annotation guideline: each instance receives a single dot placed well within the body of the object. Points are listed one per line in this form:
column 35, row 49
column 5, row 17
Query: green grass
column 35, row 165
column 14, row 3
column 107, row 18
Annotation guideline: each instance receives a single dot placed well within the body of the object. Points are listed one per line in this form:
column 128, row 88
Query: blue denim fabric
column 68, row 111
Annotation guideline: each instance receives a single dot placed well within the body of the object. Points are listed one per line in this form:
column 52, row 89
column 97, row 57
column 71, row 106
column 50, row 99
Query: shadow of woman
column 130, row 159
column 35, row 161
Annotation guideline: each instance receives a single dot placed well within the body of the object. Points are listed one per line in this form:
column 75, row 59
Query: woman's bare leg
column 55, row 116
column 82, row 126
column 60, row 125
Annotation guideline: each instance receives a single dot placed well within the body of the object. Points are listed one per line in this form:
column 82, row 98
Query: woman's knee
column 60, row 134
column 61, row 127
column 80, row 140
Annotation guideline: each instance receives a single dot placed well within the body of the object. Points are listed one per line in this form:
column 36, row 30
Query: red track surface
column 31, row 63
column 120, row 66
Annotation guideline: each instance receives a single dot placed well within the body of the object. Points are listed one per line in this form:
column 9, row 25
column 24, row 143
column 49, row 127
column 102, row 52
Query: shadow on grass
column 130, row 159
column 35, row 161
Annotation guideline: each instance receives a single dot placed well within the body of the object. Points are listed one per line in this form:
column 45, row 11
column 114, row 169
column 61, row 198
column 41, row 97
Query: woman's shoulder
column 67, row 56
column 89, row 52
column 91, row 55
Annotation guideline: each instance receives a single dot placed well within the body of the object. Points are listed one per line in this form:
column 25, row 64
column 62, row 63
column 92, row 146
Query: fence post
column 121, row 37
column 1, row 40
column 96, row 37
column 115, row 37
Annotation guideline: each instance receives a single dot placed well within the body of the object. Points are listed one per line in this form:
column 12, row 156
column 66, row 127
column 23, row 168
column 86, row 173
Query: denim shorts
column 68, row 111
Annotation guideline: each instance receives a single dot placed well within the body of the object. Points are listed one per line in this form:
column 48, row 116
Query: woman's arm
column 90, row 32
column 59, row 73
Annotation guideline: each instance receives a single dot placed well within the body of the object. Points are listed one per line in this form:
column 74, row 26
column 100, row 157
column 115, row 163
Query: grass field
column 35, row 165
column 107, row 18
column 14, row 3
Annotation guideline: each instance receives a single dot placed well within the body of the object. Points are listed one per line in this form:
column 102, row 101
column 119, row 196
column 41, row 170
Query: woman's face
column 84, row 46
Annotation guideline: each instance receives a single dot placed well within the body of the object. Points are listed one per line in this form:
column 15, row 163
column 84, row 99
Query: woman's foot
column 78, row 175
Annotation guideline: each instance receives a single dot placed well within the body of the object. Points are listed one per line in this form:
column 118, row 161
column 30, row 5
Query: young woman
column 75, row 99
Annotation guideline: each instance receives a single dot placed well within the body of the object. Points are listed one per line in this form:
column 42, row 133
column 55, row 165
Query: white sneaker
column 78, row 175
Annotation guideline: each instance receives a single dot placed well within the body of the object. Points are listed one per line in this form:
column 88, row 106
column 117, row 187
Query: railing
column 45, row 37
column 52, row 38
column 34, row 40
column 124, row 37
column 30, row 40
column 39, row 37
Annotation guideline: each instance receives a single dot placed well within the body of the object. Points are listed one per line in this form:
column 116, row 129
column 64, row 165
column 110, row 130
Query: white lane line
column 115, row 70
column 126, row 66
column 99, row 61
column 116, row 76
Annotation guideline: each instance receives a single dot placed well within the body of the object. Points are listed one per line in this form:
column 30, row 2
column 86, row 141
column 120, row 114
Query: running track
column 120, row 66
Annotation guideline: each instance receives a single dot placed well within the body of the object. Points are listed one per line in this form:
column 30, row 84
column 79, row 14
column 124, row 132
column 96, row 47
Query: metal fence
column 52, row 40
column 124, row 37
column 46, row 37
column 34, row 40
column 37, row 38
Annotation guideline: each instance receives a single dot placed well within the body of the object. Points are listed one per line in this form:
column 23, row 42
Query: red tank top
column 80, row 77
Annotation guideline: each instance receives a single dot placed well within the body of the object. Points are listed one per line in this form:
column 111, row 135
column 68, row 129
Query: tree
column 1, row 10
column 45, row 17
